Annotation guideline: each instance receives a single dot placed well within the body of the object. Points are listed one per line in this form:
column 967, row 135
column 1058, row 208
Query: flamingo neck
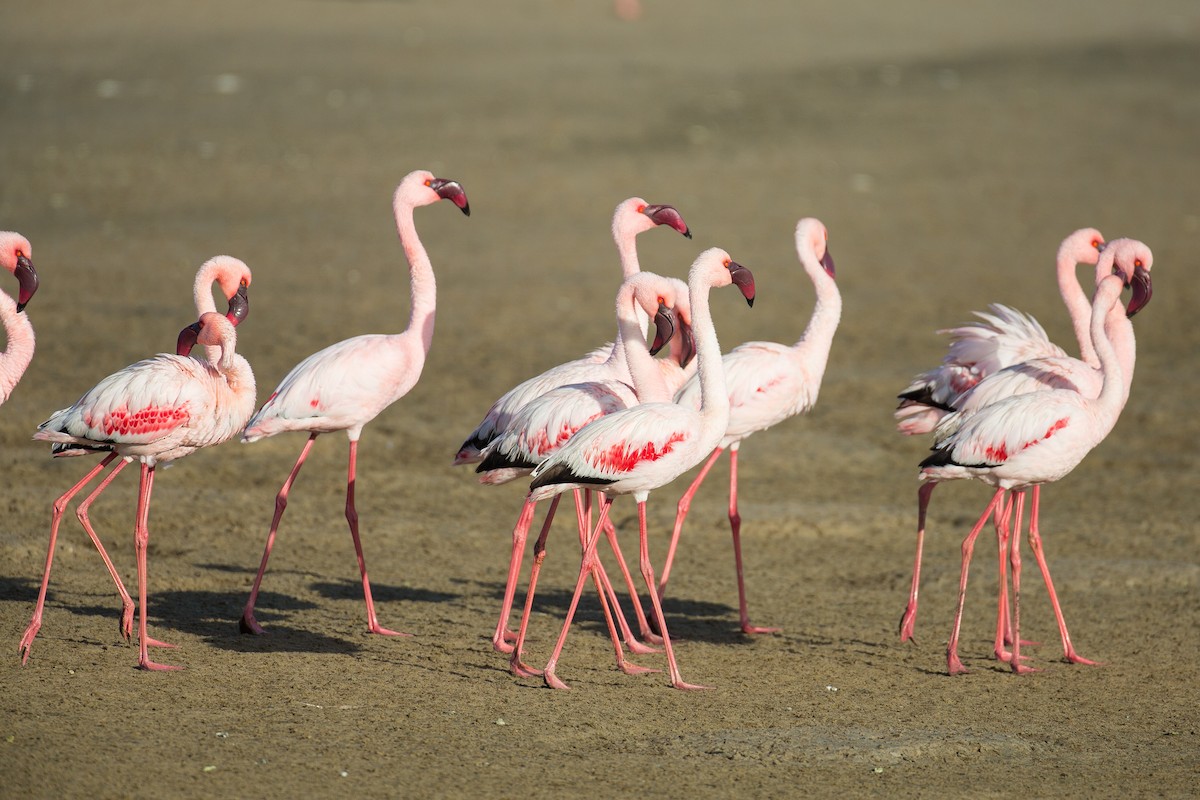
column 1118, row 330
column 827, row 313
column 19, row 350
column 1113, row 392
column 423, row 287
column 714, row 400
column 1079, row 308
column 649, row 384
column 625, row 238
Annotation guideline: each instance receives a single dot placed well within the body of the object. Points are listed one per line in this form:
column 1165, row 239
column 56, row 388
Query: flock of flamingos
column 1006, row 407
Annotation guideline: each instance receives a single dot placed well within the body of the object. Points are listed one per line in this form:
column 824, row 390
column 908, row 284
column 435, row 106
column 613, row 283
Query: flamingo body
column 15, row 255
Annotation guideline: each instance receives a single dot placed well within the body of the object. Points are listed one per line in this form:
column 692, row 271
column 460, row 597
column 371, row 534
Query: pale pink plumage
column 1024, row 441
column 346, row 385
column 15, row 255
column 155, row 411
column 642, row 448
column 631, row 217
column 768, row 383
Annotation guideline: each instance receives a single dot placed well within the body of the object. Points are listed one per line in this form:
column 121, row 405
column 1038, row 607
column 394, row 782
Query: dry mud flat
column 947, row 149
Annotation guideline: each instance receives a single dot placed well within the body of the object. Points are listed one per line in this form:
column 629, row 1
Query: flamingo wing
column 1001, row 431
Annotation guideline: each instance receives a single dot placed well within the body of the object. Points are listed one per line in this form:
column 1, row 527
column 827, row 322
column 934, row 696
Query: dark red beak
column 664, row 328
column 239, row 307
column 452, row 191
column 743, row 279
column 827, row 263
column 187, row 339
column 1142, row 289
column 667, row 215
column 28, row 280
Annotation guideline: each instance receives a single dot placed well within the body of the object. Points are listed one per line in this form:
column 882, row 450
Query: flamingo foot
column 249, row 625
column 147, row 664
column 1006, row 655
column 907, row 622
column 125, row 625
column 637, row 648
column 382, row 631
column 552, row 680
column 1022, row 669
column 502, row 645
column 747, row 628
column 151, row 642
column 680, row 684
column 1075, row 658
column 629, row 668
column 522, row 670
column 27, row 640
column 954, row 665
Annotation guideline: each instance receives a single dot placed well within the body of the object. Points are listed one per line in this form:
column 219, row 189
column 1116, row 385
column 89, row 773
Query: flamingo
column 642, row 448
column 348, row 384
column 631, row 217
column 547, row 422
column 156, row 411
column 1134, row 260
column 1004, row 337
column 1027, row 440
column 767, row 383
column 233, row 278
column 15, row 254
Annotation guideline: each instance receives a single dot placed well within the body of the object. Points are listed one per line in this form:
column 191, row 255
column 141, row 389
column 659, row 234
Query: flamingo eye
column 429, row 183
column 727, row 262
column 1096, row 243
column 1137, row 262
column 641, row 209
column 662, row 301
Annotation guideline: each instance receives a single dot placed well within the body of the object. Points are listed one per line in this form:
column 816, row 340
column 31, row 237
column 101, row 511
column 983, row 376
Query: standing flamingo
column 544, row 424
column 631, row 217
column 348, row 384
column 15, row 253
column 1133, row 260
column 1027, row 440
column 233, row 278
column 767, row 383
column 156, row 411
column 642, row 448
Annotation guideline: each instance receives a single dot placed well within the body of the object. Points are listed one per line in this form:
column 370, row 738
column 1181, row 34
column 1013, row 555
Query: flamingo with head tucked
column 632, row 217
column 233, row 278
column 348, row 384
column 15, row 255
column 1030, row 439
column 642, row 448
column 156, row 411
column 768, row 383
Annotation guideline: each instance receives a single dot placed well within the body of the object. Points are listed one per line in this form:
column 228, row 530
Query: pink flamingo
column 631, row 217
column 346, row 385
column 233, row 278
column 15, row 253
column 1030, row 439
column 156, row 411
column 544, row 424
column 1134, row 260
column 642, row 448
column 767, row 383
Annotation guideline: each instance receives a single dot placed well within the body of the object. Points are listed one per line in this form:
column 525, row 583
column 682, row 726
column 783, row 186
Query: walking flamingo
column 156, row 411
column 631, row 217
column 233, row 278
column 1027, row 440
column 348, row 384
column 1133, row 260
column 767, row 383
column 642, row 448
column 544, row 424
column 15, row 253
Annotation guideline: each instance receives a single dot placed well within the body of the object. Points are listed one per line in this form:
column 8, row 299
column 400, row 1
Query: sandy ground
column 948, row 149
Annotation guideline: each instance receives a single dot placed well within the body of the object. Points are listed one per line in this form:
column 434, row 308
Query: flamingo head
column 423, row 188
column 812, row 238
column 635, row 215
column 15, row 255
column 1082, row 247
column 211, row 330
column 1132, row 260
column 743, row 279
column 667, row 215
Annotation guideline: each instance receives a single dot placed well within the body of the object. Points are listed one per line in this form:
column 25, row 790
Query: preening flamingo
column 642, row 448
column 348, row 384
column 156, row 411
column 631, row 217
column 1027, row 440
column 15, row 255
column 233, row 278
column 767, row 383
column 544, row 424
column 1133, row 260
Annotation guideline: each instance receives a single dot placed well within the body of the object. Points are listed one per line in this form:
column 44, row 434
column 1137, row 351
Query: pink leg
column 954, row 665
column 735, row 527
column 585, row 569
column 141, row 540
column 352, row 518
column 248, row 623
column 1015, row 558
column 1001, row 520
column 909, row 618
column 681, row 512
column 644, row 625
column 60, row 505
column 648, row 574
column 1035, row 543
column 515, row 664
column 500, row 639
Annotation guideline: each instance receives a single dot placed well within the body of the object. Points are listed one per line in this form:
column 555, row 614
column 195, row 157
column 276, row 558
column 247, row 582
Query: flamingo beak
column 239, row 307
column 1142, row 289
column 687, row 349
column 664, row 328
column 667, row 215
column 28, row 279
column 827, row 263
column 452, row 191
column 744, row 280
column 187, row 339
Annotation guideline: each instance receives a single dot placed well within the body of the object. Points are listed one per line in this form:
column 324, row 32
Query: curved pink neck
column 648, row 382
column 19, row 350
column 423, row 287
column 714, row 399
column 817, row 339
column 1079, row 308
